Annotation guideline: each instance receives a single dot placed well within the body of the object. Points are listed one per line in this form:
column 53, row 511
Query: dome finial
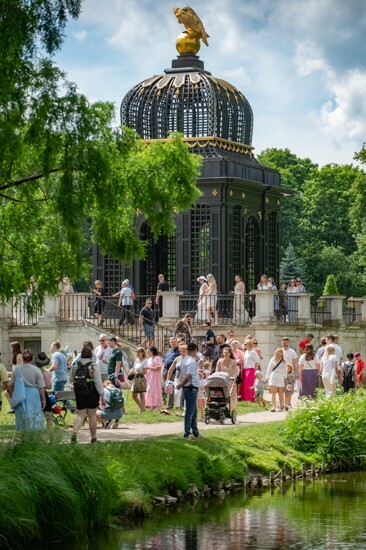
column 188, row 42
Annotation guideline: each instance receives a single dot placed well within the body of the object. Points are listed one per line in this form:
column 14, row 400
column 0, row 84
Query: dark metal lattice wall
column 272, row 245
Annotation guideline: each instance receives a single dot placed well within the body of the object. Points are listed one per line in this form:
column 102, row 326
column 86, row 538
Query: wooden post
column 259, row 481
column 271, row 477
column 283, row 473
column 324, row 467
column 313, row 470
column 293, row 472
column 232, row 485
column 303, row 466
column 331, row 464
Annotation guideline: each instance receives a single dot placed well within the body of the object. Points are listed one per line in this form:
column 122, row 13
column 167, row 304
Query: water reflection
column 322, row 514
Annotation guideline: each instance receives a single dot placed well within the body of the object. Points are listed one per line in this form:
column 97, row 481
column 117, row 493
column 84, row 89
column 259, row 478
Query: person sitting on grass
column 114, row 406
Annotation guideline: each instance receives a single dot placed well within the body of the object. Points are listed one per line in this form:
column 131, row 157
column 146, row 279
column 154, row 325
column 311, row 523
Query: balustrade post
column 303, row 308
column 170, row 307
column 336, row 309
column 359, row 305
column 264, row 307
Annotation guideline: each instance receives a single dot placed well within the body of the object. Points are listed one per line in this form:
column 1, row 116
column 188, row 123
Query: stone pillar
column 336, row 309
column 170, row 307
column 264, row 307
column 359, row 305
column 303, row 308
column 49, row 320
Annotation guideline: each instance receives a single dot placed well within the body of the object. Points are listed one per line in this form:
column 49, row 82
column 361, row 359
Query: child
column 259, row 387
column 114, row 407
column 289, row 386
column 201, row 398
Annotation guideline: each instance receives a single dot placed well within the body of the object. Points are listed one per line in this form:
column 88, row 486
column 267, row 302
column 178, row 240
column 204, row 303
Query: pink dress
column 154, row 396
column 248, row 375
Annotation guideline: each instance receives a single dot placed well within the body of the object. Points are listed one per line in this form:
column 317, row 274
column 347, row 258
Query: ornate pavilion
column 234, row 227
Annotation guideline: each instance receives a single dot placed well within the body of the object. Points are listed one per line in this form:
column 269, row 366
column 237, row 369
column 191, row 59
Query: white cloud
column 308, row 58
column 80, row 35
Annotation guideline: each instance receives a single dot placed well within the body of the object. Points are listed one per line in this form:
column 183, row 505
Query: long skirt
column 28, row 414
column 248, row 377
column 310, row 383
column 240, row 314
column 154, row 396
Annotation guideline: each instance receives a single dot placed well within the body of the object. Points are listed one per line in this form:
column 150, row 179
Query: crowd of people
column 175, row 380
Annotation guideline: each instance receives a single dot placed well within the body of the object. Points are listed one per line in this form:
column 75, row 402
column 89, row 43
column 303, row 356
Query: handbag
column 139, row 384
column 18, row 395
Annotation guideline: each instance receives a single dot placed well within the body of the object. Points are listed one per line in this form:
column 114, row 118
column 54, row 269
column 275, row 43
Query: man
column 209, row 343
column 58, row 367
column 332, row 339
column 221, row 341
column 190, row 383
column 183, row 328
column 307, row 340
column 99, row 303
column 170, row 355
column 114, row 361
column 230, row 337
column 146, row 322
column 162, row 286
column 290, row 356
column 102, row 354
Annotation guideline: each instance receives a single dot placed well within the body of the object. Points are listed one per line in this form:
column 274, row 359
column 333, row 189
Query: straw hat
column 202, row 277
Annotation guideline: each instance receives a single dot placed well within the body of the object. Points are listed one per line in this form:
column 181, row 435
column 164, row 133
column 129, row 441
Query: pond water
column 326, row 513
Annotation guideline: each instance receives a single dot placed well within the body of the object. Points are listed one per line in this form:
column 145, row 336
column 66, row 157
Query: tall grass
column 331, row 428
column 55, row 491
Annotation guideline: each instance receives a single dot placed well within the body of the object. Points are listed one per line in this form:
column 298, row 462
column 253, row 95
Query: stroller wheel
column 222, row 416
column 207, row 418
column 233, row 417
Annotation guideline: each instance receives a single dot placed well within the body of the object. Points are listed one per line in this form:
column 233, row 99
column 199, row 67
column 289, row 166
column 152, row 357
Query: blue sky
column 301, row 64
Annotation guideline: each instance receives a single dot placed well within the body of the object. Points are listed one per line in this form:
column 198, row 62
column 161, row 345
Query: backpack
column 83, row 382
column 115, row 398
column 348, row 381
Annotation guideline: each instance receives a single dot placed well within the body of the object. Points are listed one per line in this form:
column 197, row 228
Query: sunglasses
column 298, row 280
column 255, row 342
column 102, row 340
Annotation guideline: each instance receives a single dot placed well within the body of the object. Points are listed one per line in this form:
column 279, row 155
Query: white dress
column 240, row 314
column 201, row 304
column 276, row 377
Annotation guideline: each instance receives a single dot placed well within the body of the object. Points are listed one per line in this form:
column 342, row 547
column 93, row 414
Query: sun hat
column 201, row 277
column 42, row 360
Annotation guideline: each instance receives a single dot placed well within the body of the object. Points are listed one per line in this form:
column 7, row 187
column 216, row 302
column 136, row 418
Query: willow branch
column 28, row 179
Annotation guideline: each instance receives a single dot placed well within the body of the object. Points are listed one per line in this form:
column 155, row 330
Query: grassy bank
column 53, row 491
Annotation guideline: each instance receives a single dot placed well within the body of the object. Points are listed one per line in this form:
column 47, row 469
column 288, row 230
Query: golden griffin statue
column 189, row 41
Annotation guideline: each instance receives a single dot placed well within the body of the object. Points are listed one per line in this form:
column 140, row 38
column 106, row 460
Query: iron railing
column 320, row 313
column 223, row 309
column 25, row 310
column 352, row 313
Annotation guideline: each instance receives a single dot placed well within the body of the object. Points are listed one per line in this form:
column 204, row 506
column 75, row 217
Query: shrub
column 331, row 428
column 330, row 288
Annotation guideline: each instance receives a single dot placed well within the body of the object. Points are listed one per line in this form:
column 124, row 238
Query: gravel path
column 131, row 432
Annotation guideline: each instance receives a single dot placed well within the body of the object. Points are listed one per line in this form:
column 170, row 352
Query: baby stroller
column 218, row 398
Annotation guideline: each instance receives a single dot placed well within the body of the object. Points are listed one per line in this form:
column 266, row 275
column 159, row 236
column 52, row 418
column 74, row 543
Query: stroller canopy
column 218, row 380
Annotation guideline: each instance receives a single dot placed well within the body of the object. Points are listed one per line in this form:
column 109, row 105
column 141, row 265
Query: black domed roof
column 188, row 99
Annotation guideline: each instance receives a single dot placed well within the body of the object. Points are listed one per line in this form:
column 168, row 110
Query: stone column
column 170, row 307
column 264, row 307
column 359, row 305
column 336, row 309
column 303, row 308
column 49, row 320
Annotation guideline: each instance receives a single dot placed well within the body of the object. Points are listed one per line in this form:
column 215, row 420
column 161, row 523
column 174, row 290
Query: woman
column 16, row 359
column 28, row 394
column 251, row 364
column 240, row 314
column 291, row 302
column 201, row 303
column 138, row 386
column 227, row 363
column 329, row 369
column 264, row 284
column 174, row 373
column 276, row 374
column 299, row 286
column 211, row 299
column 309, row 368
column 87, row 399
column 154, row 398
column 41, row 361
column 239, row 358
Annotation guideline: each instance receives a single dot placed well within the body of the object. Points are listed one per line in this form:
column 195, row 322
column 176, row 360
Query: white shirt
column 289, row 355
column 308, row 365
column 250, row 359
column 102, row 356
column 337, row 351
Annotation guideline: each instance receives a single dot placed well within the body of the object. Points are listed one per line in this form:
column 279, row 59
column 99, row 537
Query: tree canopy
column 67, row 174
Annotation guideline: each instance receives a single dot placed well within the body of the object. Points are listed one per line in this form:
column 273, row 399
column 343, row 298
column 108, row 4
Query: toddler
column 289, row 386
column 201, row 397
column 259, row 387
